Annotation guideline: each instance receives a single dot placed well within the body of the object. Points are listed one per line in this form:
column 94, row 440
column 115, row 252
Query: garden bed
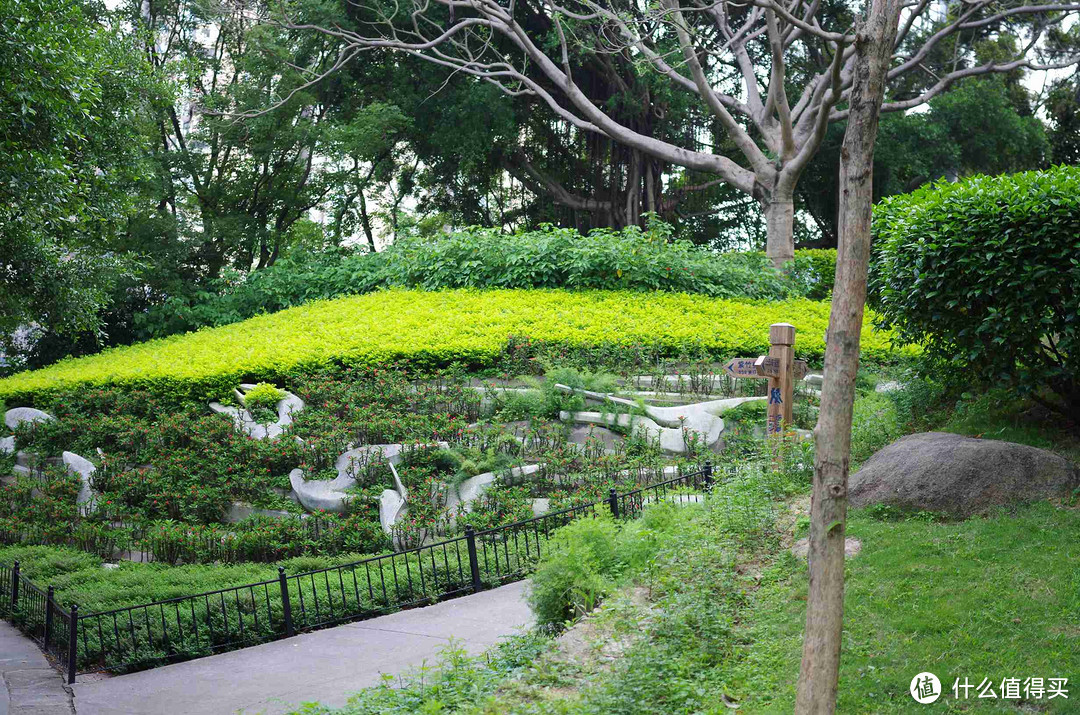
column 477, row 329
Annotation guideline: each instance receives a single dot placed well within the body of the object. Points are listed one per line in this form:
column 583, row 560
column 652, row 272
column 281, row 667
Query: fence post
column 286, row 605
column 15, row 584
column 48, row 617
column 707, row 473
column 613, row 502
column 73, row 644
column 474, row 562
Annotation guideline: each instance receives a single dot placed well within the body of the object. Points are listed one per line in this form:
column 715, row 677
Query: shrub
column 630, row 259
column 549, row 257
column 576, row 572
column 434, row 329
column 263, row 396
column 812, row 273
column 983, row 273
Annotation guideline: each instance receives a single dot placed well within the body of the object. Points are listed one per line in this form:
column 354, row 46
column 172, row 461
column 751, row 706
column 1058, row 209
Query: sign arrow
column 743, row 367
column 770, row 367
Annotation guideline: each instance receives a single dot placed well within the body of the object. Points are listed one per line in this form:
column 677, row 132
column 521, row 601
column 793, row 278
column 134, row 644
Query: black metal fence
column 36, row 613
column 148, row 635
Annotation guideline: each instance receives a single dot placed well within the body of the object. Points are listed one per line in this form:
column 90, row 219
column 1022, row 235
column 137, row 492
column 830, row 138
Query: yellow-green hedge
column 433, row 328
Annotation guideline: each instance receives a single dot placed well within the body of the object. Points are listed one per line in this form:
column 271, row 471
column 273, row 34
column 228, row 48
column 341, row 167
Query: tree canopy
column 160, row 151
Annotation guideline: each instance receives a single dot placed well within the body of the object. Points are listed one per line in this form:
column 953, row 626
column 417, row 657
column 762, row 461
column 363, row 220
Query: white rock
column 390, row 507
column 7, row 445
column 320, row 495
column 474, row 487
column 288, row 406
column 85, row 469
column 663, row 423
column 330, row 494
column 15, row 417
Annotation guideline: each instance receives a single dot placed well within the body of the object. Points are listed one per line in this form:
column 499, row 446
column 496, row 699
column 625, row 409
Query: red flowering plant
column 497, row 506
column 39, row 508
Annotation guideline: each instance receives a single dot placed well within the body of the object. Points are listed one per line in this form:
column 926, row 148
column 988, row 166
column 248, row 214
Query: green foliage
column 813, row 272
column 550, row 257
column 79, row 577
column 263, row 396
column 750, row 412
column 587, row 559
column 576, row 572
column 982, row 125
column 874, row 425
column 983, row 273
column 921, row 404
column 69, row 90
column 743, row 509
column 1001, row 414
column 454, row 685
column 431, row 329
column 630, row 259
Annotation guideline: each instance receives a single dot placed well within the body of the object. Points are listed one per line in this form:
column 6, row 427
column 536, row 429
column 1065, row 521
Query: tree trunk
column 780, row 229
column 819, row 674
column 365, row 221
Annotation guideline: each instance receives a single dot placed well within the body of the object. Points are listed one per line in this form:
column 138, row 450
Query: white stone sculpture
column 286, row 408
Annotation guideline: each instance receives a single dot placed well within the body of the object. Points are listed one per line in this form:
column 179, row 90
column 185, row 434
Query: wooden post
column 781, row 386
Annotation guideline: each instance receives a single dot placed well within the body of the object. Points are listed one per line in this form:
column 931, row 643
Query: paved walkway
column 324, row 666
column 31, row 685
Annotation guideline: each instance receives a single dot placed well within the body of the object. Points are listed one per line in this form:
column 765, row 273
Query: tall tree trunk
column 819, row 674
column 365, row 221
column 780, row 228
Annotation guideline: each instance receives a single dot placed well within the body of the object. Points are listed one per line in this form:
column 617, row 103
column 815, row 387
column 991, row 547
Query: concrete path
column 31, row 685
column 324, row 666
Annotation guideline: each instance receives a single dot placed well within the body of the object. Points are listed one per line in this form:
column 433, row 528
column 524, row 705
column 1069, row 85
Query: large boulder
column 959, row 476
column 15, row 417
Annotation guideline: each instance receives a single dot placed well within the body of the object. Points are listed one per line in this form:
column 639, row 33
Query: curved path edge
column 324, row 666
column 31, row 686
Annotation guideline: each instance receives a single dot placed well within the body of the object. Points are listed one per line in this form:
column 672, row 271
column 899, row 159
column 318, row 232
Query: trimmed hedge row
column 484, row 258
column 985, row 274
column 434, row 329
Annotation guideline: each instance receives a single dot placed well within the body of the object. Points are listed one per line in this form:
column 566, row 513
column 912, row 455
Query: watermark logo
column 925, row 688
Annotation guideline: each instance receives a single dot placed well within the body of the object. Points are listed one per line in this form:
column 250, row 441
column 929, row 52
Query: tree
column 983, row 125
column 232, row 188
column 1063, row 99
column 69, row 149
column 820, row 670
column 775, row 122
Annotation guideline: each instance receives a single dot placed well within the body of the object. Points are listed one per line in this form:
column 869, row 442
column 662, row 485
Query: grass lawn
column 989, row 598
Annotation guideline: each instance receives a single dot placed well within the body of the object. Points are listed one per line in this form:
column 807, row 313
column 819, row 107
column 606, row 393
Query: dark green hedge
column 631, row 259
column 985, row 274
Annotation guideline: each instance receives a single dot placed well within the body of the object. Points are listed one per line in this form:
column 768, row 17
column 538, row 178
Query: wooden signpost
column 780, row 368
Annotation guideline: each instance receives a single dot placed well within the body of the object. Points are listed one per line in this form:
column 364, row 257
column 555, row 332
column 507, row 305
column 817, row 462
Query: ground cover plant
column 987, row 598
column 632, row 259
column 671, row 585
column 453, row 425
column 433, row 329
column 168, row 470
